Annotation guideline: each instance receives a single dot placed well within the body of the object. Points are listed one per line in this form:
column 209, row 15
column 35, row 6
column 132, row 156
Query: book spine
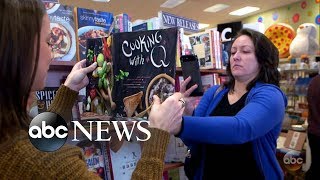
column 107, row 160
column 129, row 26
column 218, row 48
column 125, row 21
column 120, row 23
column 213, row 48
column 140, row 27
column 116, row 28
column 150, row 25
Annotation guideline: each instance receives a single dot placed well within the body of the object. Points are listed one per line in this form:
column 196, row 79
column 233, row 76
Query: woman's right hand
column 189, row 105
column 168, row 115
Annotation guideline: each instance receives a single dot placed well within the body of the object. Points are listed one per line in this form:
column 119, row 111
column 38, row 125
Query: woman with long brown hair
column 25, row 56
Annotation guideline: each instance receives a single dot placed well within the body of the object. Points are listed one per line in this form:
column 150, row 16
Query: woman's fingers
column 90, row 68
column 184, row 84
column 190, row 90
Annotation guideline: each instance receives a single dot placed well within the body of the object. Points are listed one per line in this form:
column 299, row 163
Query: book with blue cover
column 92, row 24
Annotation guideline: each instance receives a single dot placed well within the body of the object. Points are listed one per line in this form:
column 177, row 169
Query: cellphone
column 190, row 67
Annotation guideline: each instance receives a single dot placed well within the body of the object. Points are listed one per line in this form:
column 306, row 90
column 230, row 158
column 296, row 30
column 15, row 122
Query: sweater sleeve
column 71, row 165
column 151, row 164
column 63, row 102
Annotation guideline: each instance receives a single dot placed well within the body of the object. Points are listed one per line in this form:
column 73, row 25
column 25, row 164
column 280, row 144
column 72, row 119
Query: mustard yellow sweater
column 20, row 160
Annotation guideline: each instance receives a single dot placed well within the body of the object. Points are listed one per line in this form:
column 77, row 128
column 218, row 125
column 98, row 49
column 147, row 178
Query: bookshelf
column 62, row 65
column 300, row 70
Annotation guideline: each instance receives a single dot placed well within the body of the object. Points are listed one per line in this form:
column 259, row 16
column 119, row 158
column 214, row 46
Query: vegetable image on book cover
column 143, row 66
column 98, row 92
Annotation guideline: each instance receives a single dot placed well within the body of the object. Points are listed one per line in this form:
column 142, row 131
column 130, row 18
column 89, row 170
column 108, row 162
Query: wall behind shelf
column 54, row 77
column 294, row 15
column 57, row 70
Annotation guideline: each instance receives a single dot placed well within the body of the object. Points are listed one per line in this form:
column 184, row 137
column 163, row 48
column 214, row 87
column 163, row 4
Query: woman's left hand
column 77, row 79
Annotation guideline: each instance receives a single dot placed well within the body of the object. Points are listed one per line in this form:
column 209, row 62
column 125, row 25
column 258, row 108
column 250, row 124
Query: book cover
column 93, row 152
column 295, row 140
column 123, row 157
column 122, row 22
column 226, row 53
column 140, row 27
column 143, row 66
column 200, row 43
column 45, row 98
column 62, row 36
column 207, row 81
column 91, row 24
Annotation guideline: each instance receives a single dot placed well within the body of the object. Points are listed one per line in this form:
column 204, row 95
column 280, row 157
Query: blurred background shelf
column 62, row 65
column 300, row 70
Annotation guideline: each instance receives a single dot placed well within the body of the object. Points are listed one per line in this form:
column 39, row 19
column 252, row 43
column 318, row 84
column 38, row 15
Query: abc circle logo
column 48, row 132
column 292, row 160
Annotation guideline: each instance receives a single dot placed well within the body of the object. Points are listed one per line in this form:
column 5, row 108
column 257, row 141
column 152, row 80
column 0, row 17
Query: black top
column 230, row 161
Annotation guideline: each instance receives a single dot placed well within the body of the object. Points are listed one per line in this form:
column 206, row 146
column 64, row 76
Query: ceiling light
column 172, row 3
column 243, row 11
column 202, row 26
column 216, row 8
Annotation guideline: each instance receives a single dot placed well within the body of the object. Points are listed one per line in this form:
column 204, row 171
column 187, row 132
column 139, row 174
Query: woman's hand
column 168, row 115
column 189, row 106
column 77, row 79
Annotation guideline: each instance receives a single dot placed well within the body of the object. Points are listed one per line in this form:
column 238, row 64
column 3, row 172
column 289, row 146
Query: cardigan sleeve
column 151, row 164
column 63, row 102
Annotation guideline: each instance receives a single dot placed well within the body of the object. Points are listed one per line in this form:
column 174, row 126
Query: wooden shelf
column 169, row 166
column 219, row 71
column 286, row 60
column 300, row 70
column 62, row 65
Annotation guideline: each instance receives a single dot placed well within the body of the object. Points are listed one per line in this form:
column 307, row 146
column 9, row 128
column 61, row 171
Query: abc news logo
column 49, row 131
column 292, row 160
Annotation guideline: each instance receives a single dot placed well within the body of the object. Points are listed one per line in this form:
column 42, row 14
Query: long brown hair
column 20, row 29
column 268, row 58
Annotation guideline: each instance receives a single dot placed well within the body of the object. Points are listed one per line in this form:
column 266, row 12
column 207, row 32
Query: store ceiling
column 145, row 9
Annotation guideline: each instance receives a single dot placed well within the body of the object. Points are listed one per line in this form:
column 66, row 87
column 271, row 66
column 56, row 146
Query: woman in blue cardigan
column 233, row 131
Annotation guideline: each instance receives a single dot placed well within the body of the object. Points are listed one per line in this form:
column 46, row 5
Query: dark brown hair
column 268, row 58
column 20, row 29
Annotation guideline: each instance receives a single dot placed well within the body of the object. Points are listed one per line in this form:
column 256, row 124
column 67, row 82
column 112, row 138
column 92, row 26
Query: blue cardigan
column 259, row 122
